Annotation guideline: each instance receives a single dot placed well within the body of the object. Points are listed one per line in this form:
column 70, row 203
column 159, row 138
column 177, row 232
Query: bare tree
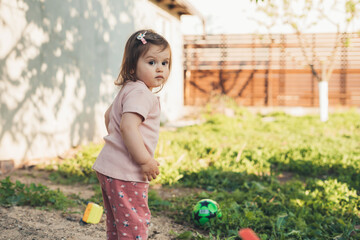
column 304, row 15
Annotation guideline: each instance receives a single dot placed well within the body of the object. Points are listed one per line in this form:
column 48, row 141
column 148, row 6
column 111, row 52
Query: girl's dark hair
column 134, row 49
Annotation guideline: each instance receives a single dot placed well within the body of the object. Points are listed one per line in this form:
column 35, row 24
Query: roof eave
column 178, row 7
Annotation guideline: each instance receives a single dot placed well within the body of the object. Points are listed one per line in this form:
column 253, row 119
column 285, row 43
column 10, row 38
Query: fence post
column 281, row 91
column 195, row 73
column 268, row 85
column 223, row 47
column 187, row 75
column 253, row 62
column 343, row 70
column 313, row 57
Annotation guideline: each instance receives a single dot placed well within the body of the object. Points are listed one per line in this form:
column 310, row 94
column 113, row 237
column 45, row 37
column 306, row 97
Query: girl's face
column 153, row 67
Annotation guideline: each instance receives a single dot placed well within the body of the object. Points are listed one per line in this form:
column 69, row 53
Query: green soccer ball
column 204, row 210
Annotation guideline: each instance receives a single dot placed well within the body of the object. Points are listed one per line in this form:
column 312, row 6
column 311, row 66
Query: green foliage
column 156, row 203
column 97, row 197
column 189, row 235
column 236, row 161
column 33, row 195
column 78, row 169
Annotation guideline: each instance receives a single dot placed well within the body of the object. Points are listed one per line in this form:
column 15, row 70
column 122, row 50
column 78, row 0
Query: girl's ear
column 132, row 71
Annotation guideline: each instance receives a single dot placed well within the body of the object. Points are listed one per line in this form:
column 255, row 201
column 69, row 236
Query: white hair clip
column 141, row 37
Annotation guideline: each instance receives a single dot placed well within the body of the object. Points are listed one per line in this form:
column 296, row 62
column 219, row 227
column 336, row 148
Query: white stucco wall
column 172, row 95
column 58, row 61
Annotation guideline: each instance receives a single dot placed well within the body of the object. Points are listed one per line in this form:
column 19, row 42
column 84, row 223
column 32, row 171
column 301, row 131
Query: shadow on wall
column 57, row 68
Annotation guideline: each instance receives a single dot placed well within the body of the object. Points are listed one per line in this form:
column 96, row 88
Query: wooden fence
column 271, row 70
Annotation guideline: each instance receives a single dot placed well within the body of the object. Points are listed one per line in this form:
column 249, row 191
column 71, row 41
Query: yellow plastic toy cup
column 93, row 213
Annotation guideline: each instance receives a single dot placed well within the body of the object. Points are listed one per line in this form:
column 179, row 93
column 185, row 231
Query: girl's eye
column 165, row 63
column 152, row 62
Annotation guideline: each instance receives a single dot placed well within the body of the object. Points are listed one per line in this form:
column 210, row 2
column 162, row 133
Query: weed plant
column 35, row 195
column 77, row 169
column 239, row 160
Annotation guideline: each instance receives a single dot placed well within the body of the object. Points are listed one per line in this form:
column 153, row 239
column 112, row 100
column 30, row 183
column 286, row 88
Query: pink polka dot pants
column 126, row 208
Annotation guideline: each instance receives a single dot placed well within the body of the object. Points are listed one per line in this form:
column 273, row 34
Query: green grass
column 236, row 161
column 77, row 169
column 35, row 195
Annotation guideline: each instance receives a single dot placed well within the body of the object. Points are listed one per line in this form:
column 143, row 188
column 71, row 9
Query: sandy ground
column 26, row 223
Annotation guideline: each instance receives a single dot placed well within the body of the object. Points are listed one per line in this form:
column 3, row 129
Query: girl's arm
column 107, row 118
column 129, row 127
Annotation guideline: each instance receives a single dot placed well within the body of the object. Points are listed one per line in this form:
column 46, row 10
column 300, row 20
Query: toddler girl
column 125, row 165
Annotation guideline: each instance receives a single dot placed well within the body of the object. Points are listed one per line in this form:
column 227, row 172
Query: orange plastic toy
column 248, row 234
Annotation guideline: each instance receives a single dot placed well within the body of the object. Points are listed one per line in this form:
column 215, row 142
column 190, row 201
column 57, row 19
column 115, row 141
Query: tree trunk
column 323, row 101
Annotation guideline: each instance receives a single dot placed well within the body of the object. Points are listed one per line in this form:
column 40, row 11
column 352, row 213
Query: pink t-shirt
column 114, row 159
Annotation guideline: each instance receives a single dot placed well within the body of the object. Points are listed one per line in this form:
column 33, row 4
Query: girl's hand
column 150, row 169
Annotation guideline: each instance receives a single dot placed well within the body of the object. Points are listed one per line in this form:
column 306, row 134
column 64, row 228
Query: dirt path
column 26, row 223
